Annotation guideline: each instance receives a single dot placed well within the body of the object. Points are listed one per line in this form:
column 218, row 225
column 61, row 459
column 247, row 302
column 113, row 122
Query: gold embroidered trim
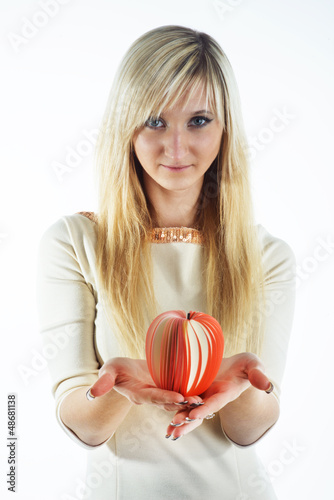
column 176, row 235
column 165, row 234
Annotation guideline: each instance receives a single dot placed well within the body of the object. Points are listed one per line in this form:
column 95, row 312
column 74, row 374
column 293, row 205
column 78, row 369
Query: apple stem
column 188, row 315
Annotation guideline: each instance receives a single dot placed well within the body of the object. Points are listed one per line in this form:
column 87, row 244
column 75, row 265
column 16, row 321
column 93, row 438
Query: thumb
column 103, row 385
column 259, row 380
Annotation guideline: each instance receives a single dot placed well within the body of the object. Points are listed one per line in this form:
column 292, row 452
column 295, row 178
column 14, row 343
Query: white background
column 56, row 74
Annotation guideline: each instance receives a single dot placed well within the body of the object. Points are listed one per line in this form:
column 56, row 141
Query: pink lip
column 176, row 167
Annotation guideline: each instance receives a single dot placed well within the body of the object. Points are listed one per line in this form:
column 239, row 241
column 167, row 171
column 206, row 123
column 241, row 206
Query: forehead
column 194, row 98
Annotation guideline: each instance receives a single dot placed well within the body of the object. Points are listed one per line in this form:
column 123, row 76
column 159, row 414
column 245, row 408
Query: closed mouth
column 176, row 167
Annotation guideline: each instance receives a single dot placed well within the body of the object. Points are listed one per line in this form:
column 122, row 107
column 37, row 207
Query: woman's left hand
column 236, row 374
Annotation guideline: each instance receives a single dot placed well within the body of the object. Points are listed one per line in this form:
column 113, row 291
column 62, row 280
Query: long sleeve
column 278, row 310
column 66, row 305
column 280, row 291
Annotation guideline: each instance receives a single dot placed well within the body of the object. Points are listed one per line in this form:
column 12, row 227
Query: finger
column 259, row 380
column 182, row 424
column 180, row 418
column 183, row 405
column 190, row 401
column 103, row 385
column 168, row 400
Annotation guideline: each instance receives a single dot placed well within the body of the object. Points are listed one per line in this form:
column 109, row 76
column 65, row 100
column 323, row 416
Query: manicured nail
column 182, row 403
column 271, row 388
column 211, row 415
column 176, row 438
column 168, row 436
column 176, row 425
column 89, row 395
column 196, row 404
column 190, row 419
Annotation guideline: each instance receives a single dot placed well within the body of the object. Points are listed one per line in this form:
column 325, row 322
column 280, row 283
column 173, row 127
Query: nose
column 176, row 144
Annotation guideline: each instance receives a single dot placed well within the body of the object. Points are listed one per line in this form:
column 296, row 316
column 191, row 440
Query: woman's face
column 177, row 149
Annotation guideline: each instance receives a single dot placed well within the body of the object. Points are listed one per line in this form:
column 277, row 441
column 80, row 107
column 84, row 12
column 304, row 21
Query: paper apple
column 184, row 351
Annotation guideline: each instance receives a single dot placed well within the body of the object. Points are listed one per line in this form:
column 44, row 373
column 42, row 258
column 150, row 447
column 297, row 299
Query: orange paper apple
column 184, row 351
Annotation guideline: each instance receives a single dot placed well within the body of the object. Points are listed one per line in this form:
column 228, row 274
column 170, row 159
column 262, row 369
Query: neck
column 174, row 209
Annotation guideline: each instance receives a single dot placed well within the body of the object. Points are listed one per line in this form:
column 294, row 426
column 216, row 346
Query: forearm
column 247, row 418
column 94, row 421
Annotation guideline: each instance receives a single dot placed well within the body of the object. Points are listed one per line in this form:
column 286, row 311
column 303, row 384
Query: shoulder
column 278, row 256
column 70, row 228
column 92, row 216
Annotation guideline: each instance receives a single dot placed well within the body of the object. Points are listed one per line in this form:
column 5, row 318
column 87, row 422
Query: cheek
column 145, row 147
column 208, row 146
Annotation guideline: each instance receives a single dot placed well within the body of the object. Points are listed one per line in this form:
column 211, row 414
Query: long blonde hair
column 155, row 72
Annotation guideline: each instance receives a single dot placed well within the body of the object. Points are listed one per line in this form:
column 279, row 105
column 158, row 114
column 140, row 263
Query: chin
column 177, row 187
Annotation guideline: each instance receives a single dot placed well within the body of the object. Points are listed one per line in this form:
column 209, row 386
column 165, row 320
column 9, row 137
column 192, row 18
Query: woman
column 174, row 230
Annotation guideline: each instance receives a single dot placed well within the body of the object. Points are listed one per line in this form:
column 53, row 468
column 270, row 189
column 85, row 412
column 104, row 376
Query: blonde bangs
column 155, row 80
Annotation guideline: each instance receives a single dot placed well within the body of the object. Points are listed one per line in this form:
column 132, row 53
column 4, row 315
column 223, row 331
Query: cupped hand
column 132, row 379
column 236, row 374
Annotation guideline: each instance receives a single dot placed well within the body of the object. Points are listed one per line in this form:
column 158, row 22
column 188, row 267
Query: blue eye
column 152, row 122
column 203, row 119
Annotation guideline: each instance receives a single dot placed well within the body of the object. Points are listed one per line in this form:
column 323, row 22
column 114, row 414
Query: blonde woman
column 174, row 230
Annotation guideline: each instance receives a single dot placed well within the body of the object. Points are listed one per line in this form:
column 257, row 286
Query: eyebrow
column 202, row 111
column 199, row 112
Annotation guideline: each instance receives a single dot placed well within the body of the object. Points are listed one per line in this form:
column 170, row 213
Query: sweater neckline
column 165, row 234
column 176, row 235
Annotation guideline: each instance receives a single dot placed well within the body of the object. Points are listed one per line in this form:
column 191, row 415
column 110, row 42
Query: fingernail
column 176, row 425
column 271, row 388
column 211, row 415
column 196, row 404
column 182, row 403
column 176, row 438
column 190, row 419
column 168, row 436
column 89, row 395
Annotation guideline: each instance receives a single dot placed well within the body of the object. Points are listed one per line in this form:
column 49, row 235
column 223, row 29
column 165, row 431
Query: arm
column 249, row 417
column 122, row 383
column 94, row 422
column 241, row 394
column 66, row 304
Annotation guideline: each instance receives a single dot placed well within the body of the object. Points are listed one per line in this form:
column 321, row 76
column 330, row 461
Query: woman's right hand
column 132, row 379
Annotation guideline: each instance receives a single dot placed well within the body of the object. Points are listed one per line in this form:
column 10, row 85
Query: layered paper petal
column 184, row 352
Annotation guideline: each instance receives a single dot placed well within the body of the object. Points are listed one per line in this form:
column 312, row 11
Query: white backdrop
column 58, row 58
